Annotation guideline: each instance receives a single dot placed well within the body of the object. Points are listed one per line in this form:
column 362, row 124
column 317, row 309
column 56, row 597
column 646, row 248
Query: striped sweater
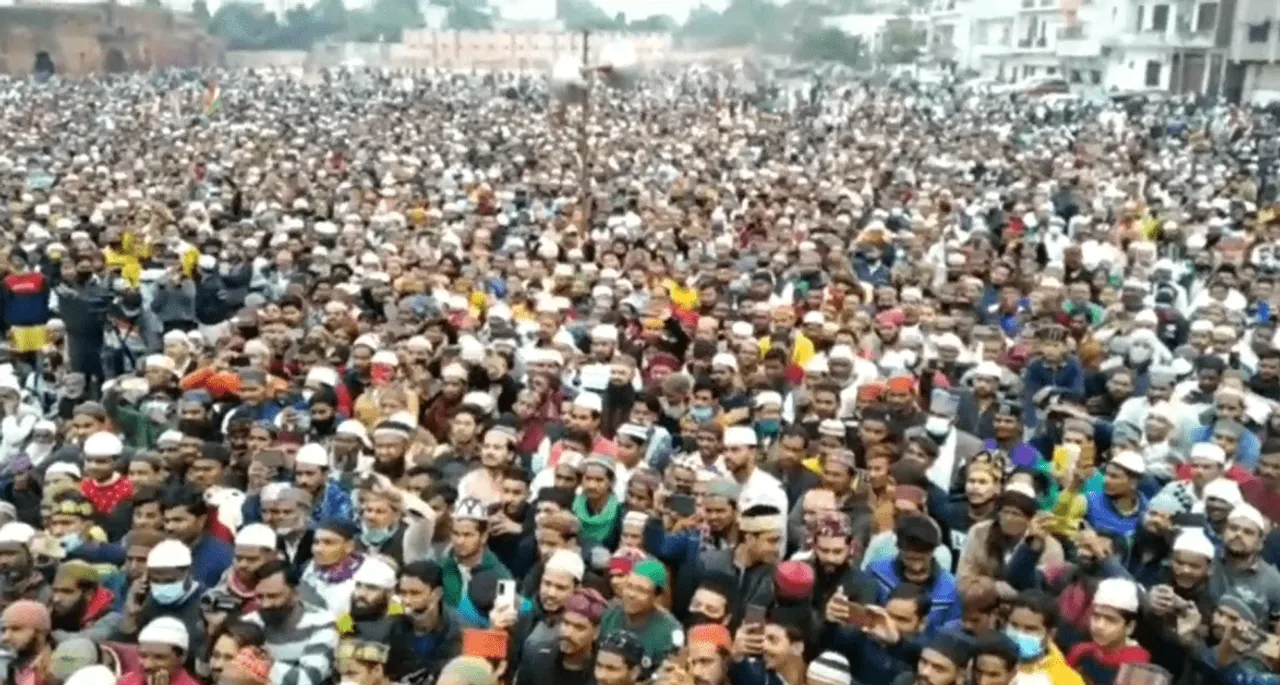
column 302, row 650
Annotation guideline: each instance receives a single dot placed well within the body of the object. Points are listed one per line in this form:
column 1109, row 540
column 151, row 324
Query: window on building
column 1074, row 76
column 1153, row 73
column 1028, row 4
column 1051, row 71
column 1142, row 14
column 1160, row 18
column 1028, row 72
column 1095, row 77
column 1206, row 16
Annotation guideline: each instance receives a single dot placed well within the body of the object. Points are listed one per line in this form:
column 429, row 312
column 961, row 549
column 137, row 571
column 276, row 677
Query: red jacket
column 99, row 605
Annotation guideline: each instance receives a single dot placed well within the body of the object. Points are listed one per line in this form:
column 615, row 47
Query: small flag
column 212, row 97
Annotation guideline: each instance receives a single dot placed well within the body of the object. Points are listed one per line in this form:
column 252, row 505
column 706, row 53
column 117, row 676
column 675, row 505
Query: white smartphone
column 506, row 594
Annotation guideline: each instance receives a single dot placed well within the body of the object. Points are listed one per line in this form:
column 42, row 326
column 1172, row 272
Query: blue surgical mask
column 768, row 427
column 701, row 414
column 71, row 542
column 1030, row 647
column 168, row 593
column 376, row 536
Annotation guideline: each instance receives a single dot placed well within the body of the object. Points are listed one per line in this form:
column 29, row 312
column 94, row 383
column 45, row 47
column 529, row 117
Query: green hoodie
column 454, row 585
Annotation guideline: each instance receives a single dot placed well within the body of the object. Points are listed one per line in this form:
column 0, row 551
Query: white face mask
column 936, row 425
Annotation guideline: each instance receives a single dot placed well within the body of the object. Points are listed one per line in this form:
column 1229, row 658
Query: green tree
column 902, row 41
column 657, row 23
column 831, row 45
column 584, row 15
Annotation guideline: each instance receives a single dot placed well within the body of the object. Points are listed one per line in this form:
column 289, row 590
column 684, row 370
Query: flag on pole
column 212, row 98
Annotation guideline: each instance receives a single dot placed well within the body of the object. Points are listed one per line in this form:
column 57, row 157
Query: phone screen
column 754, row 615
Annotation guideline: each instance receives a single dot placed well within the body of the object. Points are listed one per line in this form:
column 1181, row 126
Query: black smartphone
column 754, row 615
column 682, row 505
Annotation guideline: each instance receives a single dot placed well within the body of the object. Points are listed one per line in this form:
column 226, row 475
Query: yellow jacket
column 1053, row 666
column 800, row 354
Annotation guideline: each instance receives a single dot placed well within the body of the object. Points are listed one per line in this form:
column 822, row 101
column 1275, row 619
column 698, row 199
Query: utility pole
column 584, row 146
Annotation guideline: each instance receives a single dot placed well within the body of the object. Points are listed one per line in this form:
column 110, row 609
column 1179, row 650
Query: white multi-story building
column 1015, row 40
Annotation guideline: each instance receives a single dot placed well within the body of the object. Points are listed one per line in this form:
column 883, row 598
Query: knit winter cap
column 711, row 633
column 830, row 668
column 794, row 580
column 587, row 603
column 26, row 613
column 654, row 571
column 253, row 664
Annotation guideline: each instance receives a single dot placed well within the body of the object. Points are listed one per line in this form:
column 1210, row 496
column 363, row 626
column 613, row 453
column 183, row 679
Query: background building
column 85, row 38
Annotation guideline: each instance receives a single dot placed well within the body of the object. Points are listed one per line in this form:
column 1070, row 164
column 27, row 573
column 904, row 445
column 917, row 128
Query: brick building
column 535, row 50
column 80, row 39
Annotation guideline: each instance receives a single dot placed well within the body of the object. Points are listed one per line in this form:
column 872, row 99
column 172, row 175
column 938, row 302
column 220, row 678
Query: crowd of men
column 366, row 379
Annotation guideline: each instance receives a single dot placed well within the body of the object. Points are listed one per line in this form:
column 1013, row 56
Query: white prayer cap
column 256, row 535
column 739, row 436
column 564, row 561
column 1130, row 461
column 16, row 531
column 103, row 444
column 726, row 360
column 768, row 398
column 376, row 572
column 1224, row 489
column 590, row 401
column 1247, row 512
column 322, row 375
column 312, row 454
column 1117, row 593
column 1208, row 451
column 165, row 630
column 169, row 554
column 605, row 333
column 1195, row 541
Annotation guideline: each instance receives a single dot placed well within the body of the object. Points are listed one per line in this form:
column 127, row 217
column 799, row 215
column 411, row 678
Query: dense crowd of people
column 370, row 378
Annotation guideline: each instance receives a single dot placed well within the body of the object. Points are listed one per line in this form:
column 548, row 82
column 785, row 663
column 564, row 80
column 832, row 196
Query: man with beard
column 1241, row 570
column 255, row 546
column 943, row 661
column 561, row 577
column 832, row 555
column 983, row 476
column 485, row 483
column 18, row 574
column 1182, row 584
column 740, row 458
column 390, row 442
column 708, row 655
column 286, row 510
column 712, row 601
column 24, row 630
column 1149, row 552
column 751, row 561
column 917, row 538
column 311, row 468
column 571, row 660
column 513, row 523
column 167, row 588
column 300, row 639
column 371, row 615
column 81, row 606
column 429, row 633
column 186, row 516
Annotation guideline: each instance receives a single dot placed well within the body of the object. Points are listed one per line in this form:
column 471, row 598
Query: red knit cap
column 794, row 579
column 254, row 664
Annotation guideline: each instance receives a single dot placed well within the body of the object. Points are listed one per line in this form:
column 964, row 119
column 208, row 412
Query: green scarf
column 596, row 527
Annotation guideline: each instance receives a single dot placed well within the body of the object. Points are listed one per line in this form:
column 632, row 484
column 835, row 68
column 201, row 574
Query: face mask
column 768, row 427
column 1030, row 647
column 701, row 414
column 936, row 425
column 376, row 536
column 71, row 542
column 167, row 593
